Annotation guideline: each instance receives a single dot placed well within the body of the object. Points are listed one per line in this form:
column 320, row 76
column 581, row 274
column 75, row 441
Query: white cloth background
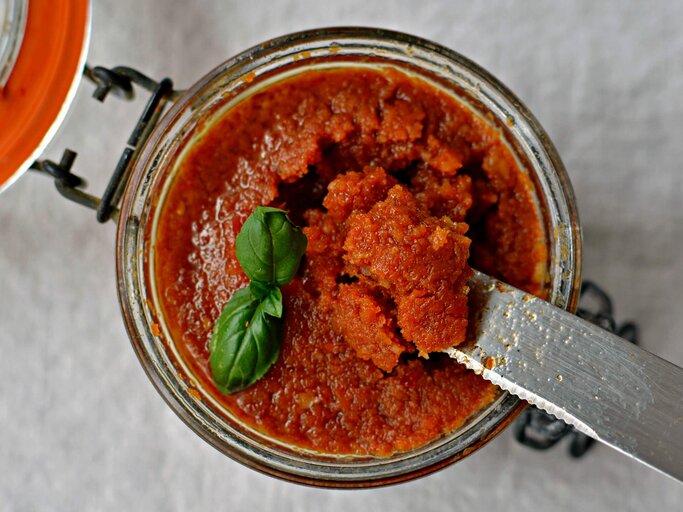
column 81, row 427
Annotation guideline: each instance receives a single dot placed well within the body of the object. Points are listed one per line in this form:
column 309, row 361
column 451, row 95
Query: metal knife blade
column 592, row 379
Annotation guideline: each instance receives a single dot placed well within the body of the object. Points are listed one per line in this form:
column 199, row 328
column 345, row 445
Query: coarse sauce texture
column 399, row 188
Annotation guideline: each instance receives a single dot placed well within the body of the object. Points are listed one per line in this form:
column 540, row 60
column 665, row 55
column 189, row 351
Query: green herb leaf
column 269, row 247
column 246, row 339
column 272, row 302
column 259, row 289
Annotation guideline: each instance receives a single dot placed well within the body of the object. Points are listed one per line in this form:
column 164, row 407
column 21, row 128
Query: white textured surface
column 81, row 428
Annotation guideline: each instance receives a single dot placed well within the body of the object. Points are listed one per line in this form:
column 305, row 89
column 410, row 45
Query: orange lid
column 43, row 82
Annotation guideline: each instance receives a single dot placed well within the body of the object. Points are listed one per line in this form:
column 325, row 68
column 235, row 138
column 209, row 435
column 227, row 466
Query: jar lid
column 42, row 71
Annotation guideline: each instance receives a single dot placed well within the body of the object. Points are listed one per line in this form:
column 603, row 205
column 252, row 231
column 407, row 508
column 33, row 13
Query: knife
column 597, row 382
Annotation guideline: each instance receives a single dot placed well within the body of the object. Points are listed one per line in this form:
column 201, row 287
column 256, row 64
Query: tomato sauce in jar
column 400, row 189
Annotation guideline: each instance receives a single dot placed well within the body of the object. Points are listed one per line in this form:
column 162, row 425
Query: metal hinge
column 120, row 81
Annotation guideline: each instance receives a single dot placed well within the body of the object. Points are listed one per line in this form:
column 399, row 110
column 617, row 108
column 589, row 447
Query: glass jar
column 13, row 15
column 153, row 171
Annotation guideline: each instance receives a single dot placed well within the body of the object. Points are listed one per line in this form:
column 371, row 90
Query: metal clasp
column 118, row 80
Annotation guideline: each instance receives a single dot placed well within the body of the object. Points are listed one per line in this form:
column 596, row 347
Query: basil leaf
column 269, row 246
column 259, row 289
column 246, row 339
column 272, row 302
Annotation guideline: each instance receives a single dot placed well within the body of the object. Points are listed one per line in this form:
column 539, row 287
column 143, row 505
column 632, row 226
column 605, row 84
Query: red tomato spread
column 399, row 188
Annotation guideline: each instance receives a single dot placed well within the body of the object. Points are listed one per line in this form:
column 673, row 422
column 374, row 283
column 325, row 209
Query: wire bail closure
column 120, row 81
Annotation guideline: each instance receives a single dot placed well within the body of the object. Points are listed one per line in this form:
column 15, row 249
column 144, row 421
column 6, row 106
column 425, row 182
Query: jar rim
column 300, row 49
